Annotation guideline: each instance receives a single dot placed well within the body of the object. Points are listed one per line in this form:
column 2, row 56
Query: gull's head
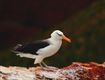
column 57, row 34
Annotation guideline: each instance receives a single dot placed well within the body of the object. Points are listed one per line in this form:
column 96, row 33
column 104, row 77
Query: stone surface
column 76, row 71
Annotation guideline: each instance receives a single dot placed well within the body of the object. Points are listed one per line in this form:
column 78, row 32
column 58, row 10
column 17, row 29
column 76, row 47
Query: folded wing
column 31, row 47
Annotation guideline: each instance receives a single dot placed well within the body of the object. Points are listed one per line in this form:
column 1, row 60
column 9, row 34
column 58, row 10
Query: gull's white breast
column 51, row 49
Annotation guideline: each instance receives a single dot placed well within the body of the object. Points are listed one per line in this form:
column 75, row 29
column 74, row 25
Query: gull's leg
column 42, row 68
column 44, row 64
column 40, row 65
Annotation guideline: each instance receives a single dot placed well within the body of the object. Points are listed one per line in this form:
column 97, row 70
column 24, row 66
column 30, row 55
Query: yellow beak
column 66, row 39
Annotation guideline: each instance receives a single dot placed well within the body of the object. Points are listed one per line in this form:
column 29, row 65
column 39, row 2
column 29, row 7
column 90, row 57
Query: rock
column 76, row 71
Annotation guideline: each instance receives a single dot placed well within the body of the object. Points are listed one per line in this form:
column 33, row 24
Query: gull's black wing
column 31, row 47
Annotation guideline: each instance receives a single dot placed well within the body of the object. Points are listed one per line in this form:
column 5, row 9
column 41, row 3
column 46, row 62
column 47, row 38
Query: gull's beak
column 66, row 39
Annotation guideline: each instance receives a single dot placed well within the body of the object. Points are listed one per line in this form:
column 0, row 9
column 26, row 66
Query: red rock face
column 76, row 71
column 86, row 71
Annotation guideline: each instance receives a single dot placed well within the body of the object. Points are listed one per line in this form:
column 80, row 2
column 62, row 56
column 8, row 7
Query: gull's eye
column 59, row 34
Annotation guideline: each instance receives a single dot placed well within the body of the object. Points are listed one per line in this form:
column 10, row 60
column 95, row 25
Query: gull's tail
column 18, row 48
column 15, row 49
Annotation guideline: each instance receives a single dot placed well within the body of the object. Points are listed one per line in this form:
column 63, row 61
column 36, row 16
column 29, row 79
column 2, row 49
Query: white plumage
column 42, row 49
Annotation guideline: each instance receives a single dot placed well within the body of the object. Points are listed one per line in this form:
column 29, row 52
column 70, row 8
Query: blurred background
column 83, row 21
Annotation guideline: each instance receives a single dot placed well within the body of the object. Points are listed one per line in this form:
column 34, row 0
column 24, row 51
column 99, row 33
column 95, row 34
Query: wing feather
column 32, row 47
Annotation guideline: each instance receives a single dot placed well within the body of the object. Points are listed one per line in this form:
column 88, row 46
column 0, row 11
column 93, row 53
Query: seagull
column 41, row 49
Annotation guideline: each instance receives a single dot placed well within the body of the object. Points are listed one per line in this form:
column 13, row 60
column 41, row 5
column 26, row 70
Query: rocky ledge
column 76, row 71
